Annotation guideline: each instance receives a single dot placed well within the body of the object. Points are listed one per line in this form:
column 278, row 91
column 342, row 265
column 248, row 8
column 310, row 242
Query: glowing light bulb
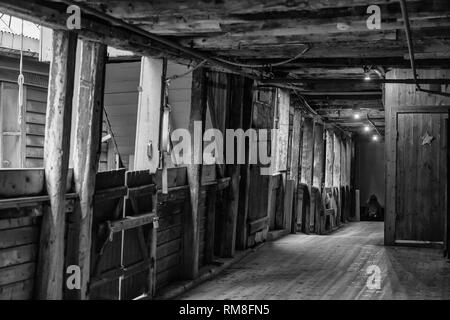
column 375, row 138
column 356, row 116
column 367, row 77
column 366, row 128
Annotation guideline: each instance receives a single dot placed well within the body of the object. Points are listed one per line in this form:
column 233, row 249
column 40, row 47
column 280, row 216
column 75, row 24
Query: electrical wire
column 268, row 65
column 186, row 73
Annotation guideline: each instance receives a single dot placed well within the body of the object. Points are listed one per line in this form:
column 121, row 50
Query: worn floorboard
column 332, row 267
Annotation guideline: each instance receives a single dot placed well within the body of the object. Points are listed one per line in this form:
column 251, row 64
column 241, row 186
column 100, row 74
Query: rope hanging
column 21, row 79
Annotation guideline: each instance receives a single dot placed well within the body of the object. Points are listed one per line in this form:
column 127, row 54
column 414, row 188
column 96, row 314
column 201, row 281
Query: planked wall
column 25, row 150
column 408, row 117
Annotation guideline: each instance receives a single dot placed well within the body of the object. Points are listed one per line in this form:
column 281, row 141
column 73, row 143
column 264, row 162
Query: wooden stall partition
column 106, row 260
column 19, row 231
column 23, row 199
column 173, row 209
column 139, row 253
column 206, row 214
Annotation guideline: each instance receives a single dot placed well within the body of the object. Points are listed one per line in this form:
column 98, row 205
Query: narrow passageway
column 332, row 267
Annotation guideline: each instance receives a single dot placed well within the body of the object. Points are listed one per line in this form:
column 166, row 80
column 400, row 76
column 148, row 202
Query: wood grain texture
column 329, row 159
column 405, row 98
column 332, row 267
column 56, row 163
column 87, row 147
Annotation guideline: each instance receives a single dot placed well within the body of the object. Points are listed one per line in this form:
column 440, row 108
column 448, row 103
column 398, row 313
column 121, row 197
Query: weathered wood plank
column 21, row 182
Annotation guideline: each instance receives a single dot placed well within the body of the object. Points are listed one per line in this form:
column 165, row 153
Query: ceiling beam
column 353, row 81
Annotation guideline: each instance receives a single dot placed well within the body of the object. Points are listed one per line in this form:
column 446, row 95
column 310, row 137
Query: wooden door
column 11, row 153
column 421, row 177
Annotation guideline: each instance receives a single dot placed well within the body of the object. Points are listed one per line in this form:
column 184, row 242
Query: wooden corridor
column 332, row 267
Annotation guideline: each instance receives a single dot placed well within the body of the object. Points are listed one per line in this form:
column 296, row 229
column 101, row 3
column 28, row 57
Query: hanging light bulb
column 356, row 116
column 366, row 128
column 375, row 137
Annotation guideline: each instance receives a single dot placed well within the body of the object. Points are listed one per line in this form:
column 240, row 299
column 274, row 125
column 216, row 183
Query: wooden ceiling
column 269, row 31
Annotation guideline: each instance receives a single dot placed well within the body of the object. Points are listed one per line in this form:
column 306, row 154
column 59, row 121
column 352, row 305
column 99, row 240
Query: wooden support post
column 236, row 93
column 318, row 172
column 244, row 186
column 87, row 147
column 308, row 152
column 329, row 159
column 337, row 162
column 56, row 163
column 295, row 163
column 194, row 170
column 307, row 167
column 337, row 174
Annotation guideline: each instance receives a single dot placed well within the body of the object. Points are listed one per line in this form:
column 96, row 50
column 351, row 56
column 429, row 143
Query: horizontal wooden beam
column 131, row 222
column 186, row 10
column 352, row 81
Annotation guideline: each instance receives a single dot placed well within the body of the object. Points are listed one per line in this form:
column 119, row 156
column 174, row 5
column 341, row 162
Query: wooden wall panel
column 36, row 101
column 405, row 98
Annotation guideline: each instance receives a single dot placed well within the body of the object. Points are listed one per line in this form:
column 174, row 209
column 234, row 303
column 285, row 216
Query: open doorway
column 369, row 179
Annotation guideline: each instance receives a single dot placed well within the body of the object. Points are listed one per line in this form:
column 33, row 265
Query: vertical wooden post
column 235, row 113
column 194, row 170
column 56, row 163
column 295, row 162
column 337, row 162
column 87, row 147
column 244, row 186
column 307, row 167
column 308, row 152
column 318, row 173
column 329, row 159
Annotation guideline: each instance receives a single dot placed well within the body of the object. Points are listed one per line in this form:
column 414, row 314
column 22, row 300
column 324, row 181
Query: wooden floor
column 332, row 267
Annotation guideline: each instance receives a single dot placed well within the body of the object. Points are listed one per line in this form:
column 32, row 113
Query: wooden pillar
column 308, row 152
column 318, row 174
column 244, row 185
column 194, row 170
column 337, row 162
column 56, row 163
column 235, row 113
column 87, row 147
column 329, row 159
column 295, row 162
column 342, row 162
